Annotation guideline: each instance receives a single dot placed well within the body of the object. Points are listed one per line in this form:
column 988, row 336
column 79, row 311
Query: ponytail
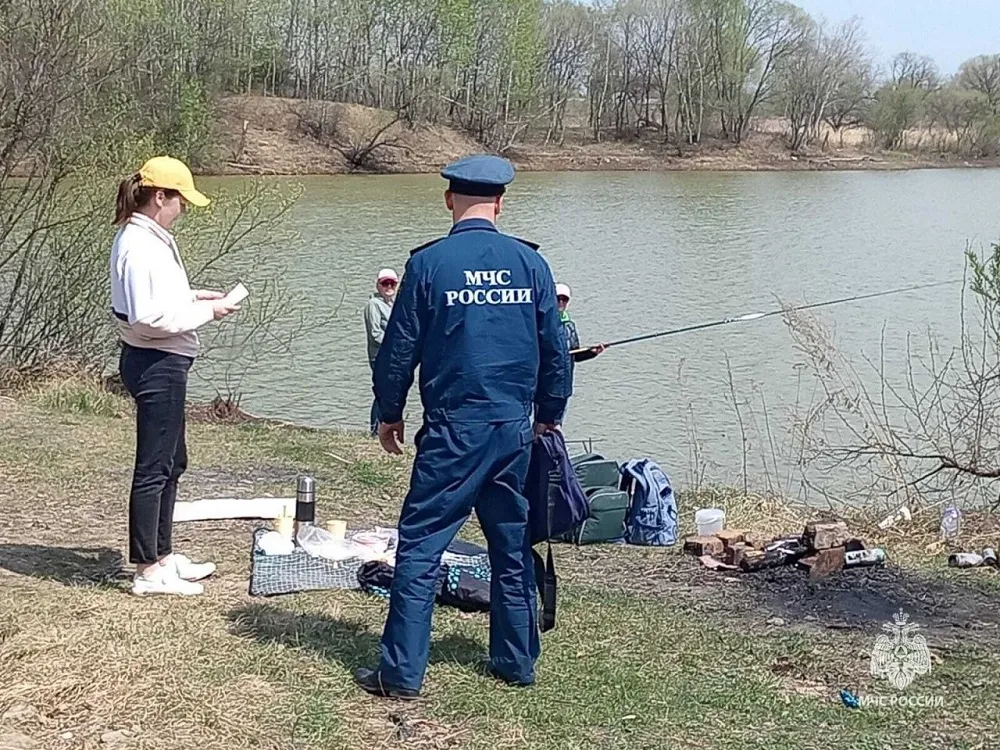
column 128, row 200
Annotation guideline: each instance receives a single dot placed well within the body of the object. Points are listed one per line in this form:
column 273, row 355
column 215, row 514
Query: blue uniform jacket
column 476, row 310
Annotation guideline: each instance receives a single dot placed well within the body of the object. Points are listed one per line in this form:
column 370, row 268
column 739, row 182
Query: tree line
column 505, row 69
column 499, row 69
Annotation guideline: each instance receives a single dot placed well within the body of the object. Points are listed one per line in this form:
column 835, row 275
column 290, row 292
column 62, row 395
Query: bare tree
column 928, row 431
column 569, row 39
column 853, row 98
column 238, row 236
column 749, row 40
column 965, row 117
column 364, row 146
column 982, row 74
column 692, row 65
column 658, row 42
column 811, row 76
column 916, row 71
column 50, row 65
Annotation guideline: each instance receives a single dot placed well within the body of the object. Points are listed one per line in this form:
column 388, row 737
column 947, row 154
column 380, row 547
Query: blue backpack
column 556, row 505
column 652, row 515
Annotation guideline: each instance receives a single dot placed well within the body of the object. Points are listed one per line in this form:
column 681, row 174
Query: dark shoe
column 490, row 671
column 370, row 680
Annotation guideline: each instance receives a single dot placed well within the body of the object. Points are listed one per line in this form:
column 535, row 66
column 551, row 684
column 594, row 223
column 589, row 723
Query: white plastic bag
column 272, row 543
column 318, row 542
column 391, row 535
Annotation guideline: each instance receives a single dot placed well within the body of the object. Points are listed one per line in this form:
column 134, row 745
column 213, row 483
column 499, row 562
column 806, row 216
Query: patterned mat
column 271, row 575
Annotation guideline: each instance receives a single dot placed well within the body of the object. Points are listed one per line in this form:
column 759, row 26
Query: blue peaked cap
column 479, row 174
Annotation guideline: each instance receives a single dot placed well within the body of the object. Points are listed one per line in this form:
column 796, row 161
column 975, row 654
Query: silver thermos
column 305, row 501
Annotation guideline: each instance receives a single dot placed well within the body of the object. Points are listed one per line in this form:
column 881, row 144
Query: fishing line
column 760, row 315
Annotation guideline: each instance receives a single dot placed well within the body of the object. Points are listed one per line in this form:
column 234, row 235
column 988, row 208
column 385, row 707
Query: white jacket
column 151, row 291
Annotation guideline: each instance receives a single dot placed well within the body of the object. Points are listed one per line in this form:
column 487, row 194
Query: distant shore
column 265, row 136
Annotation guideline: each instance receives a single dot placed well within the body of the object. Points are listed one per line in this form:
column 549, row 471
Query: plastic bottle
column 951, row 522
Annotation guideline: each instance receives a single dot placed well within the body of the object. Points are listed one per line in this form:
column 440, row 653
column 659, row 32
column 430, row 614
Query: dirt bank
column 267, row 135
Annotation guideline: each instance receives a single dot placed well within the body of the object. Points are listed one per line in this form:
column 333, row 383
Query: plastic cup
column 337, row 529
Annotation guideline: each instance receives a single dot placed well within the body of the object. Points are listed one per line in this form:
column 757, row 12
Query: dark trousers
column 374, row 417
column 158, row 382
column 460, row 468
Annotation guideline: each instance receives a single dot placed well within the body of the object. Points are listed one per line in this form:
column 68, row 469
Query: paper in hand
column 236, row 295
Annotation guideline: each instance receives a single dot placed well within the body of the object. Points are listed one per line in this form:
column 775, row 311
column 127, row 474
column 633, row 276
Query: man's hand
column 541, row 428
column 391, row 436
column 598, row 349
column 201, row 294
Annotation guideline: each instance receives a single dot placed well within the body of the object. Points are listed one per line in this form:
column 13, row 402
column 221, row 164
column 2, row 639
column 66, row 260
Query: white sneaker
column 190, row 571
column 160, row 581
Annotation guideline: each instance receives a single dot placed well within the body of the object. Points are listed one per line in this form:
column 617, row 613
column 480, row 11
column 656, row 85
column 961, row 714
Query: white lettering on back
column 491, row 296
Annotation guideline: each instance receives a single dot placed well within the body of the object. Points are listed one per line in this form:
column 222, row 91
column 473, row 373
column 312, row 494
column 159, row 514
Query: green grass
column 369, row 475
column 74, row 395
column 646, row 654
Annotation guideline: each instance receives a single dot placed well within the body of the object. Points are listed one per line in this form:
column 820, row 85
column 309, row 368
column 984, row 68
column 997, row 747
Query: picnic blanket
column 464, row 567
column 271, row 575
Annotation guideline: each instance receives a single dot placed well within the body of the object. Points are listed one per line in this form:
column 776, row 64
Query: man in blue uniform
column 476, row 311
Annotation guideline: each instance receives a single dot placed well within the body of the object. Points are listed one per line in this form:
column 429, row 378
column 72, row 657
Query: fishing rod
column 768, row 314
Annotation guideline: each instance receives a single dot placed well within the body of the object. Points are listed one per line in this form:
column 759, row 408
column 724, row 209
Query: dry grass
column 650, row 651
column 90, row 660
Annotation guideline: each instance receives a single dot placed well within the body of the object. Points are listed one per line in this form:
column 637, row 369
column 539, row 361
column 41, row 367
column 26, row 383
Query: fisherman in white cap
column 577, row 354
column 377, row 313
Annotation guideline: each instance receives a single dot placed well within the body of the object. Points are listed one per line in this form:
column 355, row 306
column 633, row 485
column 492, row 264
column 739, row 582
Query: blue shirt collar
column 467, row 225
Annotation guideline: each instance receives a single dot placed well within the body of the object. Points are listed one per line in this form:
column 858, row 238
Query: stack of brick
column 823, row 548
column 828, row 543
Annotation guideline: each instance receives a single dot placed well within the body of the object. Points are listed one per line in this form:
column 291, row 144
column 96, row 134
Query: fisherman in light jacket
column 377, row 312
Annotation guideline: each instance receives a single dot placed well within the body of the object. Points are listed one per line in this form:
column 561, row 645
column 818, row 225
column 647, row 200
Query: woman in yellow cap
column 158, row 314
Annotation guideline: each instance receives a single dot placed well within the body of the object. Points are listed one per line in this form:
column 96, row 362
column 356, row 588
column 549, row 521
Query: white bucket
column 710, row 521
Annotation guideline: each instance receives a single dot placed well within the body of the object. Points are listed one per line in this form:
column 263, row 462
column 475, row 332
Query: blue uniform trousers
column 461, row 466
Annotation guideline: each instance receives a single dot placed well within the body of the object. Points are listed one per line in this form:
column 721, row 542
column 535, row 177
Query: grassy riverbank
column 651, row 650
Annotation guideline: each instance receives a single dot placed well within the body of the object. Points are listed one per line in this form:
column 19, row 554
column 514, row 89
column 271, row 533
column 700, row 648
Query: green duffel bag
column 606, row 521
column 598, row 472
column 583, row 458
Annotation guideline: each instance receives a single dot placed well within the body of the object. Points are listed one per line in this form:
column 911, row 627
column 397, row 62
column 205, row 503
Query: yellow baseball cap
column 168, row 173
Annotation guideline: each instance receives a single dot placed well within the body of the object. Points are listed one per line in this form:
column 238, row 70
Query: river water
column 645, row 252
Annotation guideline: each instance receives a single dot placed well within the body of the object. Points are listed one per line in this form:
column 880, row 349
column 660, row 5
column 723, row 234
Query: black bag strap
column 545, row 571
column 545, row 579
